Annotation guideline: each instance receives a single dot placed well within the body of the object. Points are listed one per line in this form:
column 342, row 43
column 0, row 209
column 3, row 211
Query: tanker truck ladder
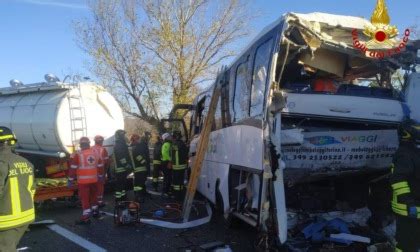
column 77, row 116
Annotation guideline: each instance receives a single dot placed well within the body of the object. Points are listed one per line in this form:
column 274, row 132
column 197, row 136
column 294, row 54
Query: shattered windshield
column 319, row 57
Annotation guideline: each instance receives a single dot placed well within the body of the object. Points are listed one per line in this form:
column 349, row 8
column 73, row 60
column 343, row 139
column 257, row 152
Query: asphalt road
column 103, row 234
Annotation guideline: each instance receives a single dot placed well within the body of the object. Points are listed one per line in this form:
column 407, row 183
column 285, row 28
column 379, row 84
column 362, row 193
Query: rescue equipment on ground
column 126, row 213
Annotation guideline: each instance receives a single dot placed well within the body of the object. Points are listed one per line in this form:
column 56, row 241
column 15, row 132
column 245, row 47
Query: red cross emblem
column 91, row 160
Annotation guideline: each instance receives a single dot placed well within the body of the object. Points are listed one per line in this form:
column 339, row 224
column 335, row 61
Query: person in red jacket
column 84, row 167
column 102, row 154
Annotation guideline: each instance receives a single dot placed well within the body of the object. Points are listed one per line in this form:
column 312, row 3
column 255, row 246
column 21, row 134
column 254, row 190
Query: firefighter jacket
column 179, row 155
column 405, row 181
column 145, row 147
column 157, row 153
column 85, row 164
column 102, row 154
column 122, row 157
column 17, row 190
column 141, row 159
column 166, row 151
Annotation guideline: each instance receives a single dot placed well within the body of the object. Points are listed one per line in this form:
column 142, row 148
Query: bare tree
column 134, row 125
column 192, row 37
column 109, row 37
column 146, row 51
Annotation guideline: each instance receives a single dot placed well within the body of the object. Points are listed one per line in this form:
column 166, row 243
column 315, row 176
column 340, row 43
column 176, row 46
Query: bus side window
column 259, row 77
column 241, row 96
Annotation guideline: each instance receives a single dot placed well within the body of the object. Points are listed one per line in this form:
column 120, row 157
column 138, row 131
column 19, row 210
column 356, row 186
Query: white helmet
column 165, row 136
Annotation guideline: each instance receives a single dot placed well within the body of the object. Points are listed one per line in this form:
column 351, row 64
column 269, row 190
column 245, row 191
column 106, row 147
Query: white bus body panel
column 351, row 108
column 238, row 145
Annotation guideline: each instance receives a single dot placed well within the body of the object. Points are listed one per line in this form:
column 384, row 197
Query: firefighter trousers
column 88, row 196
column 167, row 177
column 178, row 183
column 140, row 176
column 100, row 190
column 121, row 183
column 156, row 172
column 407, row 233
column 9, row 239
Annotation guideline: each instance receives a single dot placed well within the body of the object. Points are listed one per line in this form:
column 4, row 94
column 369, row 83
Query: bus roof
column 312, row 21
column 349, row 22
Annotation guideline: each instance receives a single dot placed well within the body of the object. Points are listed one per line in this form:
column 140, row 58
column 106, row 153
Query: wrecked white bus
column 300, row 105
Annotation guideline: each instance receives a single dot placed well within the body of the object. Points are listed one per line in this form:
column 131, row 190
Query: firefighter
column 145, row 142
column 179, row 164
column 166, row 164
column 84, row 167
column 16, row 193
column 157, row 156
column 405, row 183
column 140, row 162
column 122, row 165
column 102, row 154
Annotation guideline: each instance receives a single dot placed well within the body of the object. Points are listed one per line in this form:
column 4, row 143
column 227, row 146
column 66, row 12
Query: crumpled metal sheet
column 318, row 28
column 341, row 21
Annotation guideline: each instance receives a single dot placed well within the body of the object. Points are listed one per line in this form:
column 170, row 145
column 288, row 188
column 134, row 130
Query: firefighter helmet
column 120, row 134
column 166, row 136
column 410, row 132
column 7, row 135
column 84, row 140
column 98, row 139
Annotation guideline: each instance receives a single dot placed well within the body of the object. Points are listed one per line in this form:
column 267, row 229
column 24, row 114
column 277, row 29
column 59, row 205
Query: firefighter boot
column 96, row 214
column 155, row 186
column 84, row 220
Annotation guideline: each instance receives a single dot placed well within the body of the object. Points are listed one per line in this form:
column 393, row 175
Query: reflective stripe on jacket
column 121, row 157
column 86, row 164
column 166, row 151
column 179, row 155
column 17, row 190
column 405, row 180
column 102, row 154
column 139, row 153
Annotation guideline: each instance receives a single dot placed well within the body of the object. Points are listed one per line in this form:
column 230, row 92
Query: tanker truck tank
column 48, row 118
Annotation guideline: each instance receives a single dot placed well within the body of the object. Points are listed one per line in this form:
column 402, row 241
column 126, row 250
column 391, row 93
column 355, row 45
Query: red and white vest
column 102, row 154
column 86, row 164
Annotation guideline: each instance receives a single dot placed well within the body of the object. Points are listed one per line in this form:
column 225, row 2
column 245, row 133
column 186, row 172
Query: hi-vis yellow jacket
column 16, row 190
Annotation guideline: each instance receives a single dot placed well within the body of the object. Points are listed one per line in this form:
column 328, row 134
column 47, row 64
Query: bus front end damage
column 331, row 130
